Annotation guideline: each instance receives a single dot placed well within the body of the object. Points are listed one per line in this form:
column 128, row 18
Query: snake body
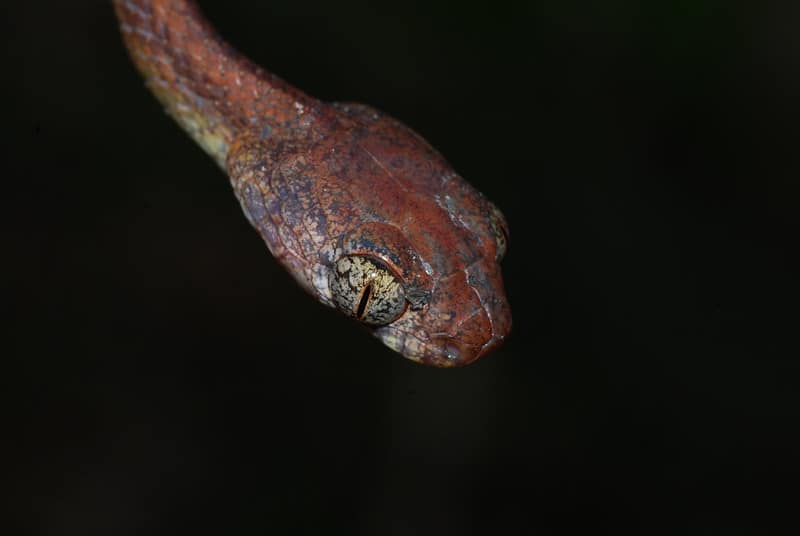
column 363, row 213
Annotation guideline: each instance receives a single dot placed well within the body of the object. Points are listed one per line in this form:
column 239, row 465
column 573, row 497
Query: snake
column 362, row 212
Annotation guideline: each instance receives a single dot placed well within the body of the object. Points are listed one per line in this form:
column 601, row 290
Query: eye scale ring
column 366, row 290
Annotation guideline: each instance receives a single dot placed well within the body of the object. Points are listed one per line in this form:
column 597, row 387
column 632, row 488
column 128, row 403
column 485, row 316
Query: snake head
column 452, row 308
column 374, row 222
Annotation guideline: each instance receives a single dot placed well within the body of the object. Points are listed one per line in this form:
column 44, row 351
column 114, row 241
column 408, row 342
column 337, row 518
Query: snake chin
column 438, row 351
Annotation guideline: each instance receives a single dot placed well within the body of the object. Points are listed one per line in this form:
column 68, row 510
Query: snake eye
column 500, row 230
column 366, row 290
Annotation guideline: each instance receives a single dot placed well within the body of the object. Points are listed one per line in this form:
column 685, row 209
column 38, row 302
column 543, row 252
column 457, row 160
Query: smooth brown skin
column 320, row 180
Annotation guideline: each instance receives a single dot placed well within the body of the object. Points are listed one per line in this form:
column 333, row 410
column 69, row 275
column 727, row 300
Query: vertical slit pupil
column 366, row 294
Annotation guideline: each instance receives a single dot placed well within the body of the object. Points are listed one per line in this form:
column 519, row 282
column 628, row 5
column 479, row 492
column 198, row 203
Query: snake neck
column 212, row 91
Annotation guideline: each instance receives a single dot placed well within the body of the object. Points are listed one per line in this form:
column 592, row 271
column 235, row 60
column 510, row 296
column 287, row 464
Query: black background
column 164, row 376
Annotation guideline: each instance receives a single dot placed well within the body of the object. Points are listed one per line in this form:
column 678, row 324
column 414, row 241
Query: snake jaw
column 444, row 352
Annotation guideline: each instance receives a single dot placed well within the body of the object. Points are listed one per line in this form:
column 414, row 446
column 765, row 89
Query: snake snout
column 482, row 333
column 478, row 317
